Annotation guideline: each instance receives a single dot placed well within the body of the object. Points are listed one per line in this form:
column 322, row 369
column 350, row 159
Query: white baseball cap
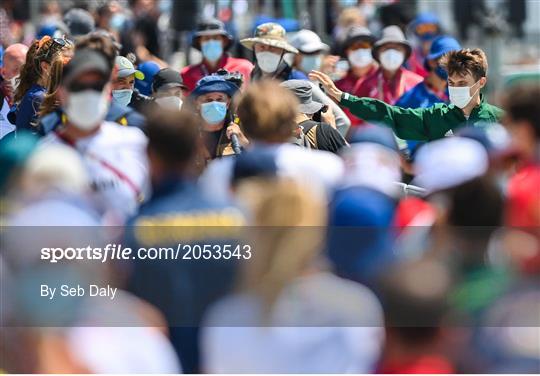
column 449, row 162
column 306, row 41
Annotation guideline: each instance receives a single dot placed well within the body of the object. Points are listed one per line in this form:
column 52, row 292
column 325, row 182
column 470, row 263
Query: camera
column 235, row 77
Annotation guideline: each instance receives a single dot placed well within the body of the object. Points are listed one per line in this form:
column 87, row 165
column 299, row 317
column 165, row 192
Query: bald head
column 14, row 57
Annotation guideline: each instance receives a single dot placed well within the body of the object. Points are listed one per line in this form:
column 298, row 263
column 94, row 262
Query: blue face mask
column 212, row 49
column 310, row 62
column 117, row 21
column 122, row 97
column 213, row 112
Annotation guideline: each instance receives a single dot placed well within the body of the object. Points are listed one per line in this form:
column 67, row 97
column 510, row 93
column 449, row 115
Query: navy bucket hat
column 214, row 83
column 207, row 27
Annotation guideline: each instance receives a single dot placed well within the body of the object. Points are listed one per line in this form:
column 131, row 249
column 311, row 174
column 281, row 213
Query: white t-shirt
column 5, row 126
column 316, row 168
column 117, row 165
column 319, row 324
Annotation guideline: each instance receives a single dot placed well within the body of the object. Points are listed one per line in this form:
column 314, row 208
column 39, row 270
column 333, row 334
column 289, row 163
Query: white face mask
column 460, row 96
column 360, row 58
column 392, row 59
column 310, row 62
column 268, row 61
column 170, row 103
column 86, row 109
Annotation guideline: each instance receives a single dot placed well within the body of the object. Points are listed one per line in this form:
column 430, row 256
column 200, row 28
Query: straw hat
column 270, row 34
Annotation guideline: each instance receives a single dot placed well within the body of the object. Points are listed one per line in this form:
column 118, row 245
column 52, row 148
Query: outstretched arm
column 329, row 87
column 406, row 123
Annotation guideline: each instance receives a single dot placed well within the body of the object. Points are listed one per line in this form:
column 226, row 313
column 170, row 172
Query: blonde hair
column 267, row 112
column 351, row 16
column 289, row 234
column 50, row 101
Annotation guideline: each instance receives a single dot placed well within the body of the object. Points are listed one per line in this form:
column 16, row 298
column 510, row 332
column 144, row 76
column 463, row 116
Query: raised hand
column 327, row 84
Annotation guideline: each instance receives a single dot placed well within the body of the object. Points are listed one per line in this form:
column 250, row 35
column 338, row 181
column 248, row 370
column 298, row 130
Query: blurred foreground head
column 522, row 107
column 172, row 142
column 291, row 216
column 100, row 41
column 267, row 112
column 414, row 296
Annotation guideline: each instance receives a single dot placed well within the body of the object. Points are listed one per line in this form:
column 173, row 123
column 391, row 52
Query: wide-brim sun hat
column 303, row 91
column 392, row 34
column 355, row 34
column 270, row 34
column 209, row 27
column 310, row 108
column 214, row 84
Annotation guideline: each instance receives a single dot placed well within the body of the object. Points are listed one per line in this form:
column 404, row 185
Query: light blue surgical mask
column 117, row 21
column 310, row 62
column 213, row 112
column 212, row 49
column 122, row 97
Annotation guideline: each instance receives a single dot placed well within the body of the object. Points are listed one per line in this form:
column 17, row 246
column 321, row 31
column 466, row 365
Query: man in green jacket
column 467, row 75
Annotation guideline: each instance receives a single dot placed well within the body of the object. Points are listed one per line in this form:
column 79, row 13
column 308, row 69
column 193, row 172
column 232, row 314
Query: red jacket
column 523, row 210
column 350, row 84
column 376, row 86
column 523, row 197
column 389, row 91
column 193, row 73
column 416, row 63
column 423, row 364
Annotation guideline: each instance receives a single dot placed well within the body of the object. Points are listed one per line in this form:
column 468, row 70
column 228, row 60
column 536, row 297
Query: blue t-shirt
column 27, row 110
column 359, row 242
column 418, row 97
column 297, row 75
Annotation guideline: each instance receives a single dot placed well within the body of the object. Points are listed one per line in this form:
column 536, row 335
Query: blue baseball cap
column 442, row 45
column 149, row 69
column 426, row 26
column 375, row 134
column 214, row 83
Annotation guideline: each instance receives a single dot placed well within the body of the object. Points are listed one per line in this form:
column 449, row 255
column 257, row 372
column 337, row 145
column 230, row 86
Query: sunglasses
column 424, row 29
column 56, row 45
column 76, row 87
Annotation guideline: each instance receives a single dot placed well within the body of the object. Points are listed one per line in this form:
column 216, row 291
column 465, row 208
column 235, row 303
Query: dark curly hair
column 465, row 61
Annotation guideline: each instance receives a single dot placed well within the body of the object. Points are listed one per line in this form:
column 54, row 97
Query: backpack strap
column 310, row 131
column 311, row 136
